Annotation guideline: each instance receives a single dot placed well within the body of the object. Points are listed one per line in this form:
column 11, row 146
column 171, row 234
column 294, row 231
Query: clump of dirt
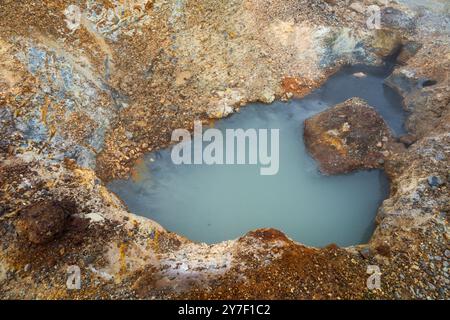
column 43, row 221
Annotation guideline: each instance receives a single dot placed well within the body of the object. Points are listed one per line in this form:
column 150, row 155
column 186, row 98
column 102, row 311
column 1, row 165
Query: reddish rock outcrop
column 347, row 137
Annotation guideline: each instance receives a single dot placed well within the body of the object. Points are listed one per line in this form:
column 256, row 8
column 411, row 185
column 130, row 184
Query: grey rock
column 403, row 83
column 408, row 50
column 447, row 253
column 440, row 156
column 395, row 18
column 435, row 181
column 89, row 260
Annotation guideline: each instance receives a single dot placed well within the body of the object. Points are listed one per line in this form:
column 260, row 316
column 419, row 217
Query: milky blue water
column 212, row 203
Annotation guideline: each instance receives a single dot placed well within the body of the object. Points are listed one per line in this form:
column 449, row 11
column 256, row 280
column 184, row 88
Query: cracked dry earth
column 80, row 103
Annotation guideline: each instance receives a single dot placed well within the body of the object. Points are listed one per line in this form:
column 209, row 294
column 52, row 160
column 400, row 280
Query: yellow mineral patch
column 106, row 196
column 385, row 41
column 155, row 241
column 50, row 184
column 216, row 115
column 122, row 258
column 44, row 110
column 334, row 141
column 85, row 176
column 52, row 132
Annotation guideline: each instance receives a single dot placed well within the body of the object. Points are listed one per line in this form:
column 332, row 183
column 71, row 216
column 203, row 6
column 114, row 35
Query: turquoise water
column 212, row 203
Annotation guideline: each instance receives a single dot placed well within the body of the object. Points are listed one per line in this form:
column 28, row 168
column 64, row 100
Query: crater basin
column 212, row 203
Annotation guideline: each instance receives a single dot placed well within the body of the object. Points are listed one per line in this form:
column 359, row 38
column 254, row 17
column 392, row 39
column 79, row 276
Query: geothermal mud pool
column 83, row 105
column 213, row 203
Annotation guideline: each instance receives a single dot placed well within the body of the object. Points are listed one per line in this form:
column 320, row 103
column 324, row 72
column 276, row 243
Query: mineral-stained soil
column 348, row 137
column 82, row 97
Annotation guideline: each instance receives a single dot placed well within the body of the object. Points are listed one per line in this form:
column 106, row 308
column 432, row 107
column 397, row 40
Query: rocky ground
column 83, row 97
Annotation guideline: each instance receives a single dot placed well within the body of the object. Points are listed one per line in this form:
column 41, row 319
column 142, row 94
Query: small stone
column 440, row 156
column 384, row 250
column 129, row 135
column 415, row 197
column 365, row 253
column 447, row 253
column 182, row 77
column 346, row 127
column 41, row 222
column 267, row 97
column 408, row 139
column 89, row 260
column 359, row 75
column 358, row 7
column 27, row 267
column 435, row 181
column 172, row 107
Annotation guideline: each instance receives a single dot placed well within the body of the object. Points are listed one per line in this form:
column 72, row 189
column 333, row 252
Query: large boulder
column 347, row 137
